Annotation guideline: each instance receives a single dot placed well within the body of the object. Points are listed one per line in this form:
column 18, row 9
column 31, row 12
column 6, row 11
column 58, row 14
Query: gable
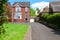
column 17, row 4
column 22, row 4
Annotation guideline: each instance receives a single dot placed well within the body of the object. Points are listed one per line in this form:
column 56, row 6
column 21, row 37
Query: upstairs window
column 18, row 9
column 26, row 9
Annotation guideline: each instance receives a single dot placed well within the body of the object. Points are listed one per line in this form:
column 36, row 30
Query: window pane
column 18, row 16
column 26, row 16
column 18, row 9
column 26, row 9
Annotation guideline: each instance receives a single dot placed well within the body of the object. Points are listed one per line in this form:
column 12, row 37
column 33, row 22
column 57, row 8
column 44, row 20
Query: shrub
column 44, row 17
column 52, row 19
column 3, row 9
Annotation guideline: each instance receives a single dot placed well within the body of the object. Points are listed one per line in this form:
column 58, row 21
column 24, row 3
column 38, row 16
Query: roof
column 46, row 9
column 55, row 3
column 55, row 6
column 22, row 4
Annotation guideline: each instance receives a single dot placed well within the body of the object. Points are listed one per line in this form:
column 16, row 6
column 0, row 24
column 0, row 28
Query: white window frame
column 16, row 16
column 18, row 8
column 26, row 9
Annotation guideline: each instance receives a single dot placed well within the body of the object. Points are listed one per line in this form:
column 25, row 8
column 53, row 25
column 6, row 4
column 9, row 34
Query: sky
column 34, row 3
column 31, row 1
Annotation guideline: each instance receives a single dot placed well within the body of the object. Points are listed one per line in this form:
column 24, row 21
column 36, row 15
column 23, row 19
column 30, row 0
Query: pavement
column 41, row 32
column 28, row 34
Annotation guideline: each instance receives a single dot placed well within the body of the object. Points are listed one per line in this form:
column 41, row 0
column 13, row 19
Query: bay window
column 17, row 16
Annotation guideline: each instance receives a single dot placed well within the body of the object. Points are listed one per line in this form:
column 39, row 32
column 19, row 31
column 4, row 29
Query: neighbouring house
column 20, row 12
column 37, row 11
column 53, row 7
column 46, row 9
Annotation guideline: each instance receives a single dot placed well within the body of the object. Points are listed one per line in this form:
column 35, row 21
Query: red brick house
column 20, row 12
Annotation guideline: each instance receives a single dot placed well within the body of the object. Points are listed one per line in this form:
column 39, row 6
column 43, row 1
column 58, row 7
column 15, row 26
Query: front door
column 26, row 17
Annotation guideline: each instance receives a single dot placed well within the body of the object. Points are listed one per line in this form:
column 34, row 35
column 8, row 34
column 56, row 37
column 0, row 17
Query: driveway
column 41, row 32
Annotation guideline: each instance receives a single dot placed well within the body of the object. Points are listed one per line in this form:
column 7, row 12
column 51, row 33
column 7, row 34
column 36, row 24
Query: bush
column 44, row 17
column 2, row 30
column 52, row 19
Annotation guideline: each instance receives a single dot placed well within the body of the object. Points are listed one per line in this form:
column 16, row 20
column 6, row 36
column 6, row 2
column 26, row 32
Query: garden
column 14, row 31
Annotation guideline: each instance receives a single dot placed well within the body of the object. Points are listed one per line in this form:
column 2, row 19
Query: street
column 41, row 32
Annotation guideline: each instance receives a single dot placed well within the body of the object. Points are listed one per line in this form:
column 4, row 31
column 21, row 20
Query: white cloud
column 40, row 5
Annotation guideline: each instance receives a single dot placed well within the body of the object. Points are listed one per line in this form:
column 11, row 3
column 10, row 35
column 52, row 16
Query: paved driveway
column 41, row 32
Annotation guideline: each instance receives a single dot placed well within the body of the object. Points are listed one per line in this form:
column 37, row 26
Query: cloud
column 39, row 5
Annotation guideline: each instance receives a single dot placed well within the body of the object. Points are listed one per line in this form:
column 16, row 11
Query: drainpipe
column 12, row 16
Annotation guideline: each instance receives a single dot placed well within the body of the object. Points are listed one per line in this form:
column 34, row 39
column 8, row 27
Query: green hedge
column 53, row 19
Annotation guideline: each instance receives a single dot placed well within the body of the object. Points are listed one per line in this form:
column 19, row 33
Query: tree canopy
column 3, row 9
column 32, row 12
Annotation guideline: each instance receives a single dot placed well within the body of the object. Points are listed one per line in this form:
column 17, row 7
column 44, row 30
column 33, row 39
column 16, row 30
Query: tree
column 32, row 12
column 3, row 9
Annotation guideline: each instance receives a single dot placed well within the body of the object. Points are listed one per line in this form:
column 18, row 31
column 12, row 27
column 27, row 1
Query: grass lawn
column 14, row 31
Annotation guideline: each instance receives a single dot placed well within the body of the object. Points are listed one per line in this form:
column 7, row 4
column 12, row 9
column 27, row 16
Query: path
column 28, row 34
